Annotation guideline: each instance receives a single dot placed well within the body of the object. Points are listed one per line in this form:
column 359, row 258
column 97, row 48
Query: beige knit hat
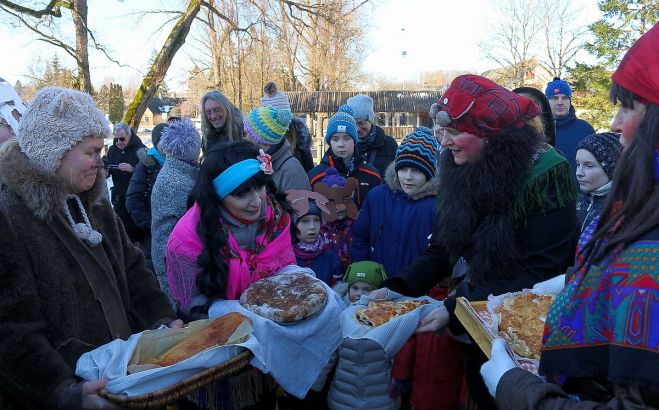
column 55, row 121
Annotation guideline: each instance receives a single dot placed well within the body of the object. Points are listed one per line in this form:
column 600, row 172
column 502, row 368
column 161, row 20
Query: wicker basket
column 171, row 394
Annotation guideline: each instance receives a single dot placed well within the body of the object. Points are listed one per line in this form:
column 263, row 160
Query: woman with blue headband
column 237, row 231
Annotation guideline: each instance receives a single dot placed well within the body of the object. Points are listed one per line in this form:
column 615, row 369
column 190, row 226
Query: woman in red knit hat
column 601, row 339
column 506, row 210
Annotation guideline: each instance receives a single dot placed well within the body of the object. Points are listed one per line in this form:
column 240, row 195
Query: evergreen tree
column 624, row 21
column 116, row 103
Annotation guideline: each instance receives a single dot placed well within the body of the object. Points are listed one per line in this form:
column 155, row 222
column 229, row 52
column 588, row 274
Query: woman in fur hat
column 73, row 280
column 506, row 208
column 601, row 338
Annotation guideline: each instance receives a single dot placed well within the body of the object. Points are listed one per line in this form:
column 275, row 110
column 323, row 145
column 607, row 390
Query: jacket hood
column 430, row 188
column 145, row 158
column 302, row 135
column 44, row 193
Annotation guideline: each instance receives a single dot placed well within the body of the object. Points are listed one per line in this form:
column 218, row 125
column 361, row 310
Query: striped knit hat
column 418, row 150
column 267, row 125
column 342, row 121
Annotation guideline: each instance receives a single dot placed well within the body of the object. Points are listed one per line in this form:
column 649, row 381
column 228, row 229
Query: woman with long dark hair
column 237, row 231
column 601, row 338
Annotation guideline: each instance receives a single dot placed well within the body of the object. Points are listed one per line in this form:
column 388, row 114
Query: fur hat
column 181, row 140
column 418, row 150
column 366, row 271
column 274, row 98
column 558, row 86
column 606, row 149
column 479, row 106
column 362, row 107
column 56, row 120
column 342, row 121
column 638, row 71
column 267, row 125
column 156, row 133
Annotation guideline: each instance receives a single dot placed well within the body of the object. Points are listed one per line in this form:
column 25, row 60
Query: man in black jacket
column 378, row 149
column 120, row 163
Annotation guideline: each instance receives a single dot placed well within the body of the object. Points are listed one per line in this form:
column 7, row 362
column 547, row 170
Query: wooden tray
column 171, row 394
column 467, row 314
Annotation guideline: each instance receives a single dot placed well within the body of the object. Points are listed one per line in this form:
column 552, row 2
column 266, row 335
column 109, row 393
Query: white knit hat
column 362, row 107
column 274, row 98
column 55, row 121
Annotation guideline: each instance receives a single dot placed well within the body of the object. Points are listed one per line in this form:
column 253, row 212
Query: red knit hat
column 481, row 107
column 638, row 71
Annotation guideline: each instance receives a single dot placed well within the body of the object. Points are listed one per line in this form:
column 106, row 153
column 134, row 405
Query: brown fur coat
column 60, row 298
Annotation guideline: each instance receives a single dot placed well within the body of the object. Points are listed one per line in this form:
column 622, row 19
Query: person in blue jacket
column 396, row 220
column 311, row 250
column 570, row 130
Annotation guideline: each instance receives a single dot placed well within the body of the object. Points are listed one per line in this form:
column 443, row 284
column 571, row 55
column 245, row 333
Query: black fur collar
column 476, row 200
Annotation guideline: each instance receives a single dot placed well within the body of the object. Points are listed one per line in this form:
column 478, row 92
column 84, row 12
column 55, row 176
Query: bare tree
column 42, row 23
column 563, row 37
column 160, row 65
column 511, row 38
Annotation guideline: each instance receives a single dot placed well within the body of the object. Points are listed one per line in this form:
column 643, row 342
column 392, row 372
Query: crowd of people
column 507, row 190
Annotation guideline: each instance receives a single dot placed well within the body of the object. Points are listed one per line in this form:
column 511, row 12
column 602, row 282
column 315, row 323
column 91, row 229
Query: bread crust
column 382, row 311
column 522, row 321
column 214, row 334
column 285, row 298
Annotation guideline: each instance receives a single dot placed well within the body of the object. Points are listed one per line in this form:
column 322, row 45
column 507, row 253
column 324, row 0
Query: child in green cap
column 362, row 278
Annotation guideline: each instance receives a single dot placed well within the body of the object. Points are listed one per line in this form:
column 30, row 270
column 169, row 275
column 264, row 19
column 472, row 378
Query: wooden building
column 159, row 109
column 397, row 112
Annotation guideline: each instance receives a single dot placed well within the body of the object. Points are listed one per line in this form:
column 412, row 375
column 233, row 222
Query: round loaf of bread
column 285, row 298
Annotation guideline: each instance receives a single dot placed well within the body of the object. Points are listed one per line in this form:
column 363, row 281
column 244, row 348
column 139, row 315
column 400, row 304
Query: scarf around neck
column 603, row 324
column 309, row 251
column 365, row 143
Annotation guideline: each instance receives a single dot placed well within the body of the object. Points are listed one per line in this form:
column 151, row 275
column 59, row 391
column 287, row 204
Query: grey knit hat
column 181, row 140
column 274, row 98
column 56, row 120
column 606, row 149
column 362, row 107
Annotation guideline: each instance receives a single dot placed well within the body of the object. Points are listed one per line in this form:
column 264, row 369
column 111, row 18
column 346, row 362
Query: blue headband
column 234, row 176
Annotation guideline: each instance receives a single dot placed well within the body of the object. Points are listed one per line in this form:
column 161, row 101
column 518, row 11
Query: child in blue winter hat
column 344, row 156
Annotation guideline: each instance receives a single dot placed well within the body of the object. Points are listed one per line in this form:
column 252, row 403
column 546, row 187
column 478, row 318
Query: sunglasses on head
column 122, row 139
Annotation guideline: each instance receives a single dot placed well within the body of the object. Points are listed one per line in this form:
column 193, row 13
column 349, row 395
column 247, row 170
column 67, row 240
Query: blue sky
column 436, row 35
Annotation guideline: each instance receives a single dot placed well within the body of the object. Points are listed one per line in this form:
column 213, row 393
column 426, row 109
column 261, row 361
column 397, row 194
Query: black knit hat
column 156, row 133
column 606, row 149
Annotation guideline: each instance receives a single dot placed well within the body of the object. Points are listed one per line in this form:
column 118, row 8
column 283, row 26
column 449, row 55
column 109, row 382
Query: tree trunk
column 160, row 65
column 79, row 14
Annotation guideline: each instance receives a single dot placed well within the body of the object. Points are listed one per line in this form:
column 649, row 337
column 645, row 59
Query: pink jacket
column 273, row 251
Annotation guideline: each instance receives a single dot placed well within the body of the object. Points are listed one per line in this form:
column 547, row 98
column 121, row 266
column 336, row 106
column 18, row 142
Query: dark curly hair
column 212, row 261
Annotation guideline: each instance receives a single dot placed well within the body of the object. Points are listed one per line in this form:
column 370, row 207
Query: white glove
column 553, row 285
column 494, row 369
